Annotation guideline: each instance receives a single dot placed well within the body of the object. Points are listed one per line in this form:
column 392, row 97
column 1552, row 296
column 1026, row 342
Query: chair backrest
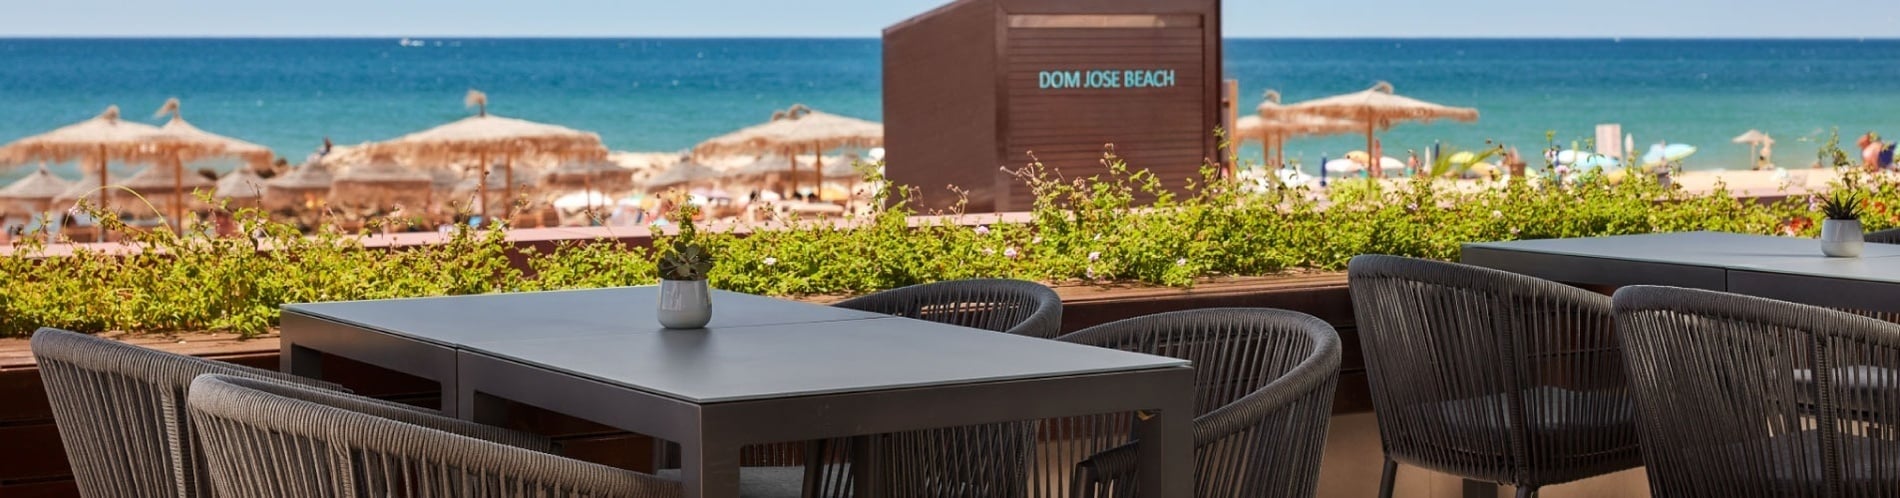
column 1012, row 306
column 1264, row 382
column 1481, row 372
column 121, row 413
column 1888, row 236
column 268, row 439
column 1737, row 394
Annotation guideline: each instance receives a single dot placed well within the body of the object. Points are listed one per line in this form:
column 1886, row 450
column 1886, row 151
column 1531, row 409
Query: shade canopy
column 766, row 165
column 162, row 179
column 381, row 182
column 190, row 143
column 1377, row 105
column 40, row 186
column 841, row 167
column 86, row 189
column 240, row 183
column 1374, row 109
column 104, row 137
column 797, row 128
column 684, row 172
column 497, row 179
column 1753, row 137
column 382, row 169
column 487, row 134
column 312, row 175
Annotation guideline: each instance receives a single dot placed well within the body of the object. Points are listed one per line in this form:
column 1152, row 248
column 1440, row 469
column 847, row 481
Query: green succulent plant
column 1842, row 204
column 684, row 256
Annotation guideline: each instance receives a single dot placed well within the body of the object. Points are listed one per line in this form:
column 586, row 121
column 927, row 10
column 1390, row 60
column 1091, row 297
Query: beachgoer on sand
column 1411, row 162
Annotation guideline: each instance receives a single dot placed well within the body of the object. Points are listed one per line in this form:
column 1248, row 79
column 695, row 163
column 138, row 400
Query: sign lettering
column 1105, row 79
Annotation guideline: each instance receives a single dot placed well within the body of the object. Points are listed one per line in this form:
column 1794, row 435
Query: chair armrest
column 401, row 413
column 1115, row 466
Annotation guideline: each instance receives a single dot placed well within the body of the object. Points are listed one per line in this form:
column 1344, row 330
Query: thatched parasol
column 590, row 176
column 306, row 184
column 191, row 144
column 239, row 184
column 483, row 136
column 97, row 141
column 797, row 129
column 157, row 183
column 37, row 190
column 381, row 182
column 1375, row 108
column 1755, row 138
column 495, row 180
column 685, row 172
column 87, row 189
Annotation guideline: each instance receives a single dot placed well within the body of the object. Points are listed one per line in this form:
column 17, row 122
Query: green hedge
column 1083, row 230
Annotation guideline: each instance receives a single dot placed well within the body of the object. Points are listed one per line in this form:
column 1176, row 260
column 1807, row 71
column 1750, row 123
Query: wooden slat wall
column 940, row 104
column 1163, row 130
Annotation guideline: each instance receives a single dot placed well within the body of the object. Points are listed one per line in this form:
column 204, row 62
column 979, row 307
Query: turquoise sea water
column 667, row 94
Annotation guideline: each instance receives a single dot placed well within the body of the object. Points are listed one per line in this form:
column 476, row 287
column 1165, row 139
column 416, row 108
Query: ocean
column 668, row 94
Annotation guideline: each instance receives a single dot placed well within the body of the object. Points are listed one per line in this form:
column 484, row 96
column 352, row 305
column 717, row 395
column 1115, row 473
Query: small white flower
column 989, row 252
column 1497, row 214
column 1180, row 262
column 1035, row 240
column 1010, row 253
column 769, row 261
column 982, row 229
column 1089, row 272
column 1411, row 206
column 1095, row 256
column 1513, row 230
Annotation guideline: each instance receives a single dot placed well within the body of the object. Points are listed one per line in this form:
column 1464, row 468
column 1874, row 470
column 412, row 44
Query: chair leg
column 1386, row 477
column 1526, row 491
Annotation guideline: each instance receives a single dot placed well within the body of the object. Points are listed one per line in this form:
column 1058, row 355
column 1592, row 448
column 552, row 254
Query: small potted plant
column 1841, row 232
column 685, row 299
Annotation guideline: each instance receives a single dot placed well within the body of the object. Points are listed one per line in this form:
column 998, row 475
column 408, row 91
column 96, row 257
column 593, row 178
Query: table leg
column 709, row 469
column 866, row 481
column 481, row 408
column 301, row 361
column 1166, row 453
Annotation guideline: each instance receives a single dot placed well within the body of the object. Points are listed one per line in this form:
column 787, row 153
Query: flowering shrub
column 1116, row 227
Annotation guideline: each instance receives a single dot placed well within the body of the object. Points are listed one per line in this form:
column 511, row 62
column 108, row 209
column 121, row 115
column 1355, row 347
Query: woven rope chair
column 1263, row 386
column 1011, row 306
column 121, row 413
column 1491, row 376
column 265, row 439
column 1740, row 396
column 1888, row 236
column 978, row 461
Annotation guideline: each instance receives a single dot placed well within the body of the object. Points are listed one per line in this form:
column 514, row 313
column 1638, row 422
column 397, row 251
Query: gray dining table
column 1784, row 268
column 763, row 371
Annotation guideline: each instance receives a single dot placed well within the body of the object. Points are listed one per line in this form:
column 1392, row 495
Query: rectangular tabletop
column 724, row 364
column 455, row 320
column 1785, row 268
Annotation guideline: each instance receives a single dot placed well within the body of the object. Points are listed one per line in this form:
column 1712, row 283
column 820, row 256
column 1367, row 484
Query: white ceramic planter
column 1841, row 238
column 685, row 304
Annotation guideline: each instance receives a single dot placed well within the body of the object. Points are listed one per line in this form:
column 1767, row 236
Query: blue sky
column 865, row 18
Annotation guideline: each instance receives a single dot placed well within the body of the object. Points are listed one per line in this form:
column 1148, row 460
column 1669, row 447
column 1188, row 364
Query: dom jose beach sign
column 1105, row 78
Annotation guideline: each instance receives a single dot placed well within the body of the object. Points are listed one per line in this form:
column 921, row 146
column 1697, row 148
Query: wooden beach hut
column 976, row 85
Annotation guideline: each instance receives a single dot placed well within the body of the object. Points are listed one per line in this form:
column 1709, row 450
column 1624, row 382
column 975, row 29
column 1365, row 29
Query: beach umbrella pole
column 481, row 185
column 1372, row 156
column 507, row 187
column 178, row 196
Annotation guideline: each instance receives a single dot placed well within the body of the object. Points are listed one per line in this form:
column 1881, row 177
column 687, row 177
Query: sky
column 866, row 18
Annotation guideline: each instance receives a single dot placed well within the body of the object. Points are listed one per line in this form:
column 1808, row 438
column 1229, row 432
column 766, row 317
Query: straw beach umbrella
column 381, row 182
column 1754, row 138
column 192, row 144
column 797, row 129
column 1374, row 109
column 33, row 193
column 94, row 142
column 159, row 185
column 685, row 172
column 240, row 186
column 485, row 137
column 308, row 183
